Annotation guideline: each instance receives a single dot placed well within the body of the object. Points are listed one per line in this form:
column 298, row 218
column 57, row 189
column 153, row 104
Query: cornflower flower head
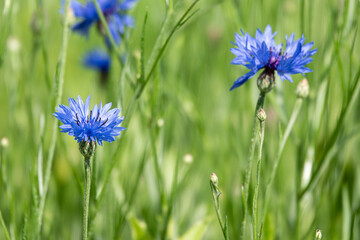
column 262, row 52
column 97, row 126
column 114, row 12
column 97, row 60
column 100, row 61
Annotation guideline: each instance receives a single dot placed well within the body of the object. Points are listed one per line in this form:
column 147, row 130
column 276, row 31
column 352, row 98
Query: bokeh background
column 186, row 114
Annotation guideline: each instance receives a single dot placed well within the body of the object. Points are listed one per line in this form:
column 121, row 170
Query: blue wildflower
column 97, row 60
column 100, row 125
column 114, row 12
column 262, row 52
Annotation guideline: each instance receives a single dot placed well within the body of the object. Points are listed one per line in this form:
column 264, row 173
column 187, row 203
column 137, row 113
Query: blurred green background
column 186, row 113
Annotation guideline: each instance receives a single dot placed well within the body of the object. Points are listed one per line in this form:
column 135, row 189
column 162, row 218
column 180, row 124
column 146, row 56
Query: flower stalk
column 6, row 232
column 108, row 32
column 87, row 149
column 216, row 198
column 261, row 117
column 87, row 166
column 259, row 105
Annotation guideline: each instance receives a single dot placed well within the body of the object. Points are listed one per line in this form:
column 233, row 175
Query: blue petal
column 98, row 60
column 116, row 27
column 128, row 21
column 78, row 9
column 82, row 27
column 241, row 80
column 127, row 4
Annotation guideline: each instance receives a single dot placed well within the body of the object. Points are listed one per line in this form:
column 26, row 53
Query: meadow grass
column 171, row 77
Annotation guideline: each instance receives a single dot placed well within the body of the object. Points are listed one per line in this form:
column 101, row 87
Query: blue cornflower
column 100, row 125
column 98, row 60
column 262, row 52
column 114, row 12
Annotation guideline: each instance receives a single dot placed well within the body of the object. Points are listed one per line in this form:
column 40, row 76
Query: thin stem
column 256, row 194
column 159, row 176
column 4, row 227
column 216, row 194
column 5, row 27
column 87, row 165
column 107, row 29
column 40, row 156
column 174, row 187
column 289, row 127
column 58, row 86
column 41, row 41
column 260, row 104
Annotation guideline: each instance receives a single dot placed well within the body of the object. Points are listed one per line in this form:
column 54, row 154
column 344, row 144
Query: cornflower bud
column 266, row 81
column 318, row 235
column 302, row 89
column 261, row 115
column 214, row 179
column 87, row 148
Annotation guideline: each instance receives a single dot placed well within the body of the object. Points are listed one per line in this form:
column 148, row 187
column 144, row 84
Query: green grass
column 185, row 107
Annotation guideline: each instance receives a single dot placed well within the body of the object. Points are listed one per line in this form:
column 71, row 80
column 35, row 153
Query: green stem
column 256, row 194
column 289, row 127
column 5, row 27
column 107, row 29
column 59, row 81
column 171, row 199
column 87, row 165
column 159, row 176
column 4, row 227
column 41, row 41
column 216, row 194
column 260, row 104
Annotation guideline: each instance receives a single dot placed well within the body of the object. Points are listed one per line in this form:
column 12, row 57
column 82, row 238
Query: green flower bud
column 318, row 235
column 87, row 148
column 302, row 89
column 261, row 115
column 266, row 81
column 214, row 179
